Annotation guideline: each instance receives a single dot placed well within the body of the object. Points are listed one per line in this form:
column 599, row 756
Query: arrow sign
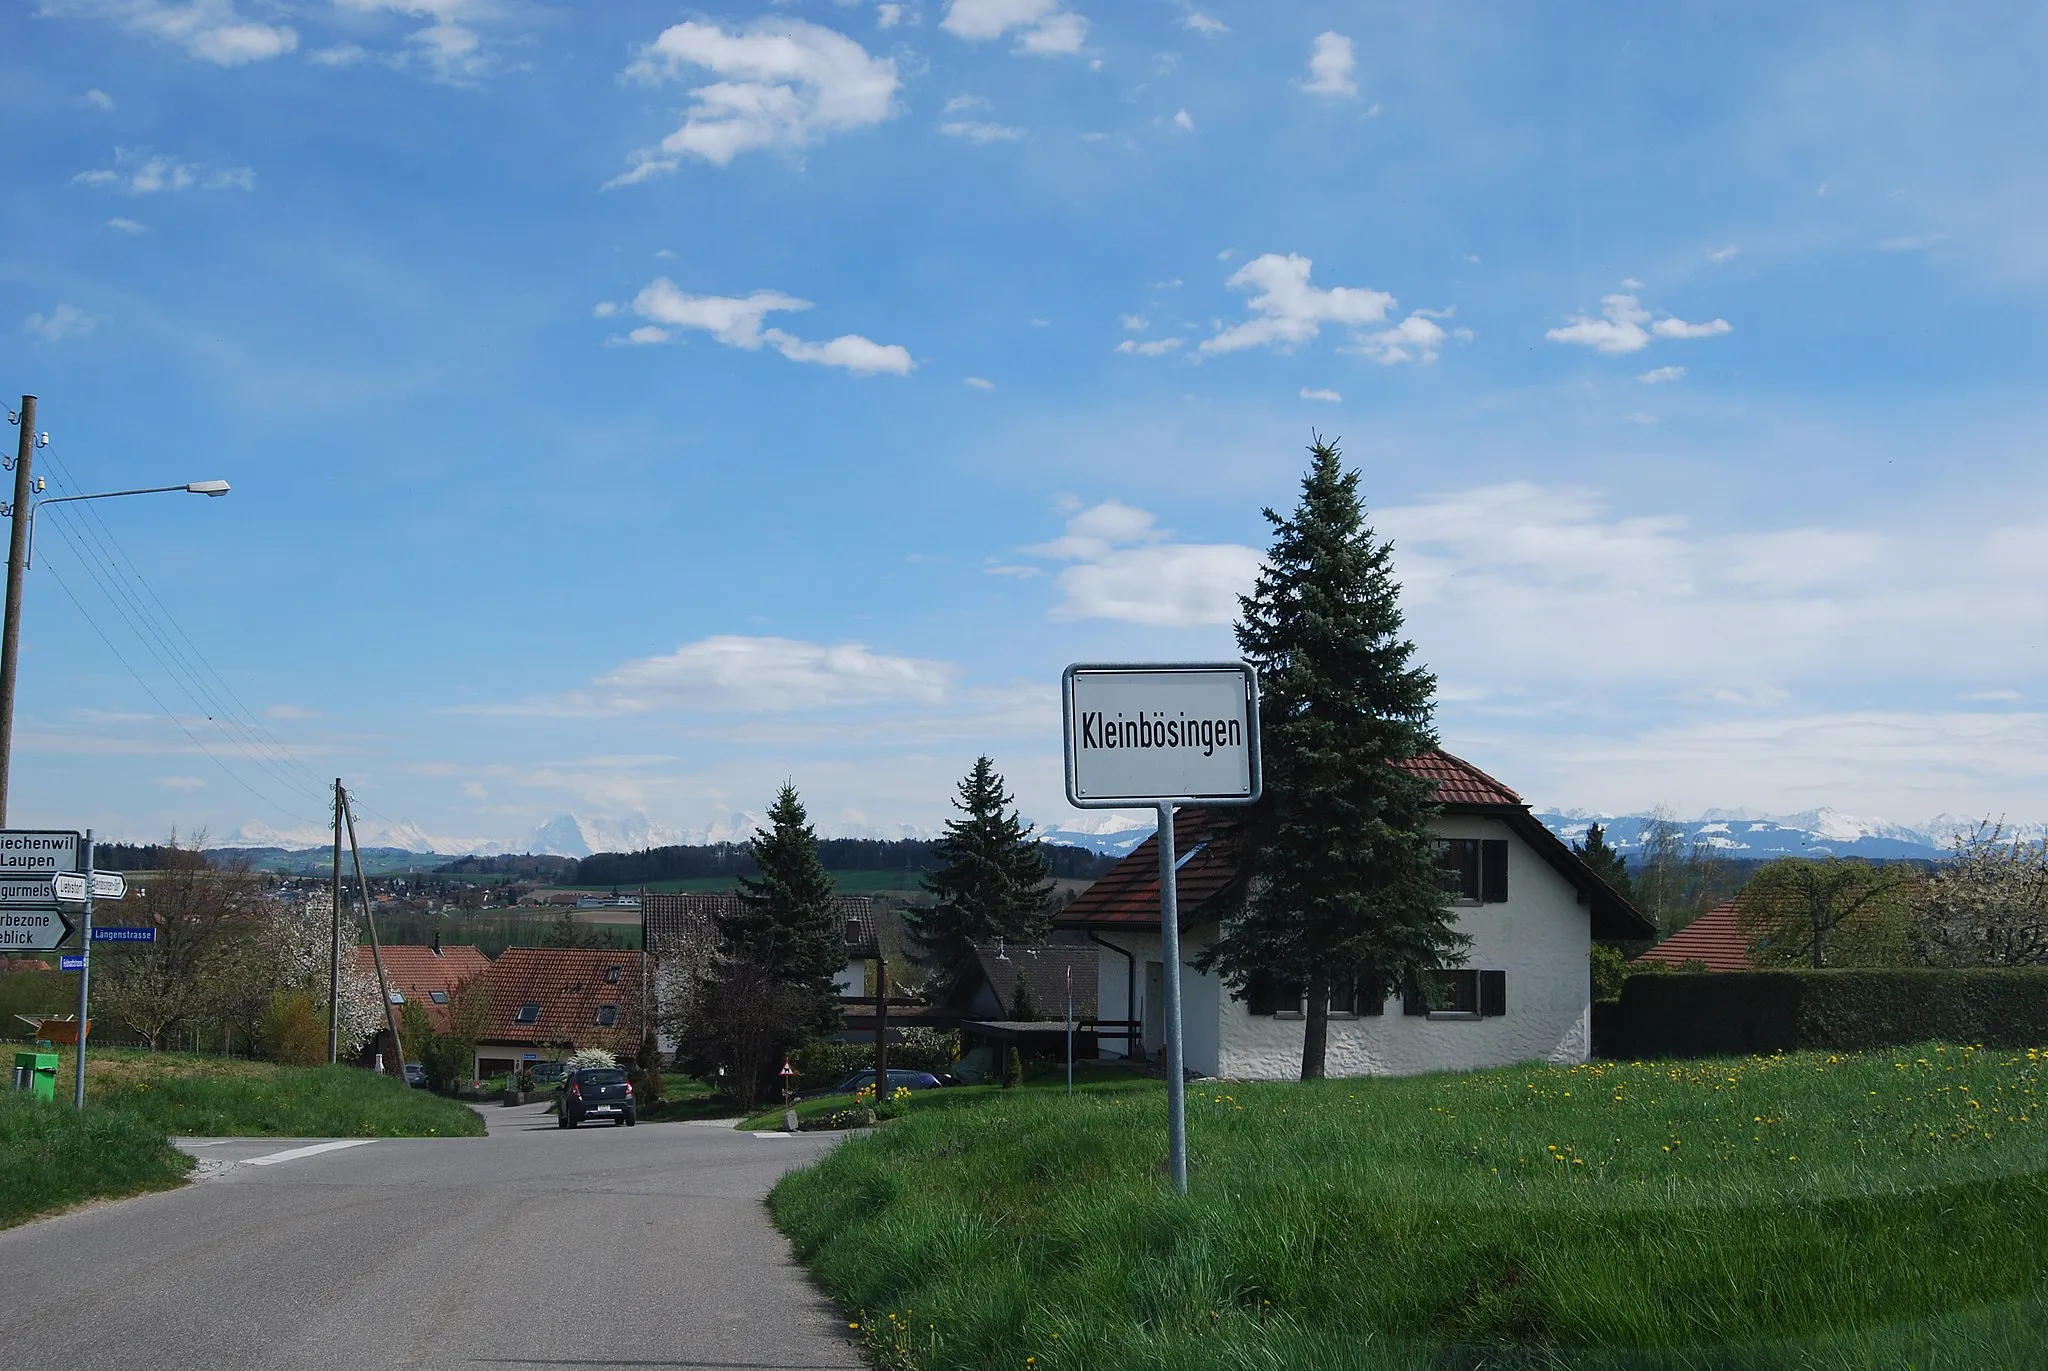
column 106, row 885
column 34, row 930
column 23, row 851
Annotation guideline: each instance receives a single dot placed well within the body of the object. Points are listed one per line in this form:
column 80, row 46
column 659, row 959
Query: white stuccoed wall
column 1541, row 937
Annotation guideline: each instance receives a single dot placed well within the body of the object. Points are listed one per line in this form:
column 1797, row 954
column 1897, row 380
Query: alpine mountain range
column 1741, row 834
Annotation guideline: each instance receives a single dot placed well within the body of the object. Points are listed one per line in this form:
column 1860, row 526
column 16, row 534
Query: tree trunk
column 1315, row 1038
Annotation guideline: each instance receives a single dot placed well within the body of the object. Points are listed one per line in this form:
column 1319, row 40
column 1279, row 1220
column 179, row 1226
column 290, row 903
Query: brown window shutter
column 1413, row 1002
column 1372, row 1001
column 1493, row 994
column 1493, row 877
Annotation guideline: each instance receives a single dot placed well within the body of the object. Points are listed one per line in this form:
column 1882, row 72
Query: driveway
column 533, row 1247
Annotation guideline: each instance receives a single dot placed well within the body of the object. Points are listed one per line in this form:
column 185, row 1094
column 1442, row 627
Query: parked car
column 913, row 1080
column 416, row 1075
column 598, row 1092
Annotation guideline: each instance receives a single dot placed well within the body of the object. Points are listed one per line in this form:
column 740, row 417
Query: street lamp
column 20, row 549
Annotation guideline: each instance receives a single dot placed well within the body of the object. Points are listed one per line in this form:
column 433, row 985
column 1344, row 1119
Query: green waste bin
column 36, row 1072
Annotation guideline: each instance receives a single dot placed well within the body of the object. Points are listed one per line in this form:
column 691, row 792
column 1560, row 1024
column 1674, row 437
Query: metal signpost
column 1163, row 734
column 42, row 874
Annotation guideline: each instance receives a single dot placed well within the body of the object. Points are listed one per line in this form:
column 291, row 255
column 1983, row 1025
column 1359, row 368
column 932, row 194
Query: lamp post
column 20, row 556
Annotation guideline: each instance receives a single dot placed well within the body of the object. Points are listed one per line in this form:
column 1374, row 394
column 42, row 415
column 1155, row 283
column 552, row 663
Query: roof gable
column 1128, row 894
column 570, row 987
column 1716, row 938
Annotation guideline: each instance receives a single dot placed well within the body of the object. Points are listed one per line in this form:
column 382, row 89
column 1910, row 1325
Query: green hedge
column 1737, row 1013
column 827, row 1063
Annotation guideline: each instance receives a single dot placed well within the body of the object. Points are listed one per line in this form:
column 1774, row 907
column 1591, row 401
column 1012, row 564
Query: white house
column 1531, row 907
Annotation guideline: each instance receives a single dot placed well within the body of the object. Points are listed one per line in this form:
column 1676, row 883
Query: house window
column 438, row 996
column 398, row 997
column 528, row 1013
column 1267, row 995
column 611, row 975
column 1475, row 870
column 1353, row 998
column 1459, row 995
column 607, row 1015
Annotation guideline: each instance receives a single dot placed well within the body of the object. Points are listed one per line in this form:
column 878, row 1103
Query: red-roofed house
column 1530, row 906
column 548, row 1001
column 424, row 975
column 1716, row 939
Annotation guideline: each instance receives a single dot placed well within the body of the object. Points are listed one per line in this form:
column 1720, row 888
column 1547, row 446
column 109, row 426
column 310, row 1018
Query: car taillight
column 629, row 1090
column 576, row 1089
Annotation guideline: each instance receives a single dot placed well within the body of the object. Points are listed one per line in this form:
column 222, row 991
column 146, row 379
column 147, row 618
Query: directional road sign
column 23, row 851
column 106, row 885
column 123, row 935
column 71, row 961
column 34, row 930
column 27, row 892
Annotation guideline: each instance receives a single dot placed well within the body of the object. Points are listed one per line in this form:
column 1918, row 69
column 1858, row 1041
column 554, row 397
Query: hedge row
column 1737, row 1013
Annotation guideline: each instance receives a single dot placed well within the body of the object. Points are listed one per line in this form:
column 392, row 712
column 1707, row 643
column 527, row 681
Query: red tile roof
column 570, row 986
column 1716, row 938
column 415, row 971
column 1128, row 894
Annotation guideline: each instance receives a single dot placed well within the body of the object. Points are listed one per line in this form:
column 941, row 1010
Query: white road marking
column 775, row 1135
column 294, row 1153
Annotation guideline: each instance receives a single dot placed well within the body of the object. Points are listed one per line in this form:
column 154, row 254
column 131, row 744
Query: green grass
column 1880, row 1210
column 53, row 1156
column 197, row 1096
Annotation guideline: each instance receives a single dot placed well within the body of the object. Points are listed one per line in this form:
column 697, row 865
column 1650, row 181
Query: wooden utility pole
column 17, row 558
column 370, row 920
column 881, row 1019
column 334, row 954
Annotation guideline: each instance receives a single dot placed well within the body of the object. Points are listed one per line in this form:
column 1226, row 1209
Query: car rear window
column 602, row 1076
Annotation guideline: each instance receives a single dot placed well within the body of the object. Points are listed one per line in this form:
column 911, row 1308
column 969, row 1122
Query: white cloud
column 1418, row 338
column 1328, row 396
column 978, row 383
column 1135, row 323
column 139, row 171
column 210, row 30
column 1156, row 347
column 1720, row 255
column 1661, row 375
column 1184, row 121
column 1198, row 22
column 888, row 16
column 737, row 322
column 732, row 673
column 782, row 83
column 978, row 132
column 1043, row 27
column 61, row 324
column 1289, row 310
column 1621, row 327
column 1126, row 570
column 964, row 102
column 98, row 99
column 120, row 225
column 339, row 55
column 1330, row 65
column 181, row 782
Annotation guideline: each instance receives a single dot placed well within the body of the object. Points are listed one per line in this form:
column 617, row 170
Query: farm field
column 1815, row 1210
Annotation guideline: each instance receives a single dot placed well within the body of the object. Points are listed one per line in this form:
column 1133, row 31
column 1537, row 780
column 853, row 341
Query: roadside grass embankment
column 1812, row 1210
column 198, row 1096
column 1091, row 1075
column 53, row 1156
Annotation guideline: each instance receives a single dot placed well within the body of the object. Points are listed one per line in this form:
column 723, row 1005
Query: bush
column 1015, row 1074
column 1745, row 1012
column 294, row 1030
column 821, row 1064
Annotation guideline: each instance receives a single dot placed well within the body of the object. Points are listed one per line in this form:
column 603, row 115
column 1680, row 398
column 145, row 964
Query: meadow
column 1879, row 1209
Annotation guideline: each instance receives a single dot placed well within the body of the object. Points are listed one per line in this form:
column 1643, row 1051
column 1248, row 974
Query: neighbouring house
column 680, row 935
column 418, row 974
column 547, row 1002
column 1716, row 940
column 1529, row 904
column 988, row 989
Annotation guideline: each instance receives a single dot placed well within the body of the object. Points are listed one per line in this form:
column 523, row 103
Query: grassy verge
column 1086, row 1074
column 226, row 1096
column 53, row 1156
column 1875, row 1210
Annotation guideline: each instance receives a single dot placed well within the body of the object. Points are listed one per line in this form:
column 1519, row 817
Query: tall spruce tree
column 786, row 924
column 992, row 884
column 1343, row 884
column 1607, row 864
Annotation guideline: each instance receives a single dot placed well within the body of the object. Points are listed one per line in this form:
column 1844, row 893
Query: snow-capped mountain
column 1751, row 834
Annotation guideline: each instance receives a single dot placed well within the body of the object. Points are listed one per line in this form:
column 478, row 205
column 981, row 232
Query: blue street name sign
column 71, row 961
column 123, row 935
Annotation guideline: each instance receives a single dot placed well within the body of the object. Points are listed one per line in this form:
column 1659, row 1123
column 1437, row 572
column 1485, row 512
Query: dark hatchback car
column 597, row 1092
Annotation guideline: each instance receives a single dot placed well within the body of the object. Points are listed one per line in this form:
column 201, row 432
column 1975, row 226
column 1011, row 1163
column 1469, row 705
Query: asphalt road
column 533, row 1247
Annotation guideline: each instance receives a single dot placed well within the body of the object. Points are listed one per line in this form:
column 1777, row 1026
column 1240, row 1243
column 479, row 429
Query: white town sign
column 1143, row 735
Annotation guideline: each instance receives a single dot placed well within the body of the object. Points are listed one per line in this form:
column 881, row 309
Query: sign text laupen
column 1139, row 735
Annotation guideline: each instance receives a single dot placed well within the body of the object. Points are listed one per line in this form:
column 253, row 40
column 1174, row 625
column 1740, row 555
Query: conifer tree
column 1342, row 883
column 1607, row 864
column 787, row 931
column 993, row 881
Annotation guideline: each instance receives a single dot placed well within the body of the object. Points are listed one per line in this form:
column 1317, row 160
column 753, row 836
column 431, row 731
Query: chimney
column 437, row 942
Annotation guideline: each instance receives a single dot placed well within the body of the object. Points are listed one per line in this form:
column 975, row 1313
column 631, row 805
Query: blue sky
column 631, row 406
